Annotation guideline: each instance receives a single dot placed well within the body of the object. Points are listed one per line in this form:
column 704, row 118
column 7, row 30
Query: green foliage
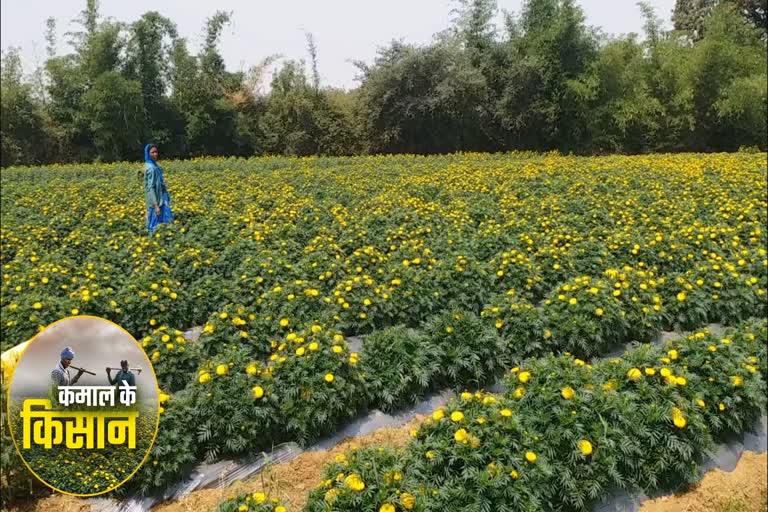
column 731, row 57
column 173, row 358
column 472, row 354
column 113, row 106
column 405, row 366
column 422, row 100
column 174, row 449
column 566, row 434
column 691, row 15
column 22, row 121
column 307, row 386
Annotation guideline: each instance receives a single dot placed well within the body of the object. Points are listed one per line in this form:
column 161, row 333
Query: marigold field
column 458, row 270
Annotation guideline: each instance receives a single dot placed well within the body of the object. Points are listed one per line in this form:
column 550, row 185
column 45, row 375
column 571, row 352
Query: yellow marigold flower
column 242, row 508
column 547, row 334
column 223, row 316
column 524, row 377
column 678, row 419
column 387, row 507
column 599, row 311
column 461, row 435
column 506, row 413
column 673, row 354
column 466, row 395
column 258, row 392
column 701, row 403
column 355, row 483
column 300, row 351
column 337, row 349
column 331, row 496
column 721, row 406
column 573, row 301
column 222, row 369
column 279, row 508
column 407, row 500
column 430, row 455
column 737, row 381
column 75, row 311
column 681, row 296
column 567, row 392
column 457, row 416
column 438, row 414
column 666, row 372
column 634, row 374
column 579, row 362
column 585, row 447
column 284, row 322
column 519, row 392
column 205, row 377
column 329, row 378
column 712, row 348
column 650, row 372
column 514, row 474
column 530, row 457
column 681, row 381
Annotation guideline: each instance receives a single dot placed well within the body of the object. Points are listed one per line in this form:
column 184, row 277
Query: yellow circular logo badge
column 83, row 406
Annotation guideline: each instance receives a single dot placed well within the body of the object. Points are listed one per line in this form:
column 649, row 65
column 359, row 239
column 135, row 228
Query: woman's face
column 153, row 153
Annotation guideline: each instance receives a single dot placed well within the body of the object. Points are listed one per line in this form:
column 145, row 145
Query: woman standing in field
column 155, row 193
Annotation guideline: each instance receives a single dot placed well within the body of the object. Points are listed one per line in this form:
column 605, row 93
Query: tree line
column 542, row 80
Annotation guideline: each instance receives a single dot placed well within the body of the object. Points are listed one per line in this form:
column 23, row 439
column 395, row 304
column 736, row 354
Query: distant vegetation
column 543, row 80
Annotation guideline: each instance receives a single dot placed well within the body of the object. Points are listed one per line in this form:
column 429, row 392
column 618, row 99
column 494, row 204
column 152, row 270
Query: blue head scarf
column 147, row 158
column 149, row 161
column 67, row 353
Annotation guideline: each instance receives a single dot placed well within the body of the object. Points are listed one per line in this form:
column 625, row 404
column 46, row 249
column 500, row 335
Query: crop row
column 566, row 434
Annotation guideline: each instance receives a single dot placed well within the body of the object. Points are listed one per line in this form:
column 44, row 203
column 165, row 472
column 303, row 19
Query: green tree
column 22, row 131
column 289, row 121
column 691, row 15
column 623, row 114
column 114, row 110
column 148, row 57
column 727, row 73
column 548, row 48
column 422, row 100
